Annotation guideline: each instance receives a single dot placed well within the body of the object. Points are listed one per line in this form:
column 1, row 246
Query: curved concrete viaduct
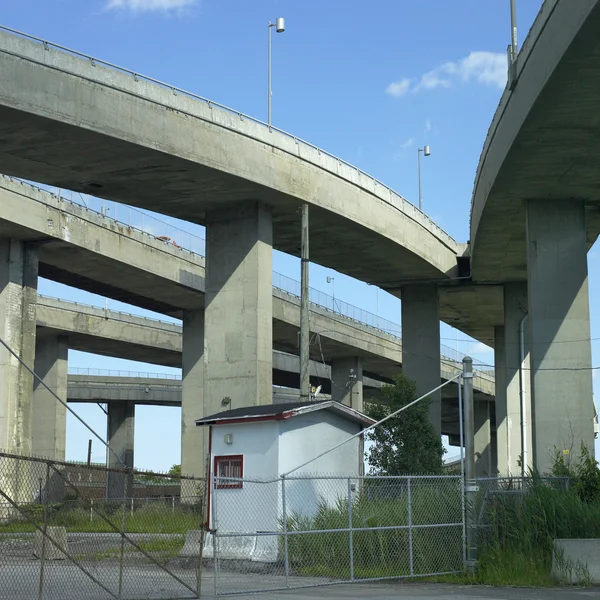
column 535, row 212
column 73, row 122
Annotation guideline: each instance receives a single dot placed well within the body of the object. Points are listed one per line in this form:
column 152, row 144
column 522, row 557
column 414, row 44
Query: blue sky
column 369, row 82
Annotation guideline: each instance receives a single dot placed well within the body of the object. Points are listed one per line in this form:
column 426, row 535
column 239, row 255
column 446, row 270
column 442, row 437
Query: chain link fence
column 298, row 532
column 59, row 540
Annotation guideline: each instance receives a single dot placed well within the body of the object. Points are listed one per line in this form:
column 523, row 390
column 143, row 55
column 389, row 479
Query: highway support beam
column 18, row 299
column 49, row 416
column 559, row 325
column 421, row 344
column 120, row 436
column 193, row 439
column 513, row 388
column 484, row 450
column 347, row 382
column 238, row 324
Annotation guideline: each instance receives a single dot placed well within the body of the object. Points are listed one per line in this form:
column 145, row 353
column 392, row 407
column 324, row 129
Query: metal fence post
column 45, row 500
column 214, row 532
column 351, row 535
column 286, row 557
column 410, row 534
column 471, row 487
column 462, row 472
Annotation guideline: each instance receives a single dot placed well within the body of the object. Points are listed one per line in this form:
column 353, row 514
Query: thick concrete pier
column 239, row 308
column 347, row 382
column 49, row 416
column 120, row 435
column 513, row 388
column 559, row 324
column 484, row 459
column 421, row 343
column 18, row 297
column 193, row 439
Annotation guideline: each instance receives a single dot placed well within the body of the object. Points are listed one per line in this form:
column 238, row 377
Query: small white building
column 251, row 447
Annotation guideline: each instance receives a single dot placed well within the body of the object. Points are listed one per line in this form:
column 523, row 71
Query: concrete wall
column 254, row 507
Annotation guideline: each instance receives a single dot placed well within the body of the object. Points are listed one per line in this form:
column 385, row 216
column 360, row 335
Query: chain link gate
column 296, row 532
column 61, row 538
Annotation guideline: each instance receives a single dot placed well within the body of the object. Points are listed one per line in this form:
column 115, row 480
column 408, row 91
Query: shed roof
column 280, row 412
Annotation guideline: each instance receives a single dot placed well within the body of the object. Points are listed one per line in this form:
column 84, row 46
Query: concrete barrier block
column 254, row 548
column 577, row 561
column 51, row 551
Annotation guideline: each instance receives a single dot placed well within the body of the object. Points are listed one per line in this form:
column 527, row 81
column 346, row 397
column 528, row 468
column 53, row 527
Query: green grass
column 379, row 552
column 516, row 546
column 154, row 518
column 161, row 549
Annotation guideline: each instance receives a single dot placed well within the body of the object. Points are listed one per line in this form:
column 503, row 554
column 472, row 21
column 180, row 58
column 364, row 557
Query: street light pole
column 331, row 280
column 513, row 29
column 304, row 311
column 426, row 150
column 279, row 28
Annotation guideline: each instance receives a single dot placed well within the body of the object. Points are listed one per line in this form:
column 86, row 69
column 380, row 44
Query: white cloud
column 427, row 125
column 408, row 143
column 431, row 81
column 480, row 348
column 398, row 88
column 150, row 5
column 487, row 68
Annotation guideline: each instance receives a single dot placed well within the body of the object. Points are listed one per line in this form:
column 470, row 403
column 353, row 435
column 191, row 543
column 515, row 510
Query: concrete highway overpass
column 535, row 212
column 90, row 329
column 116, row 135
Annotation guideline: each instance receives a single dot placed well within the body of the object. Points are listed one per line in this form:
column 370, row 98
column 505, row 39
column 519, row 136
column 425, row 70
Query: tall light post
column 426, row 150
column 331, row 280
column 513, row 48
column 279, row 28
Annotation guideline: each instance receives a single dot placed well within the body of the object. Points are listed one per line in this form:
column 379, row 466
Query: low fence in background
column 56, row 543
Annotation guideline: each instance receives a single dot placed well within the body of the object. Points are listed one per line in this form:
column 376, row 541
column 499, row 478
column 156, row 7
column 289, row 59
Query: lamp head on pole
column 280, row 25
column 426, row 151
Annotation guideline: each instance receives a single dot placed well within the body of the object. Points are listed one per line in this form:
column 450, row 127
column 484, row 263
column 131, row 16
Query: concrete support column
column 193, row 439
column 483, row 440
column 238, row 360
column 18, row 298
column 559, row 325
column 514, row 383
column 347, row 382
column 421, row 343
column 121, row 426
column 500, row 405
column 49, row 416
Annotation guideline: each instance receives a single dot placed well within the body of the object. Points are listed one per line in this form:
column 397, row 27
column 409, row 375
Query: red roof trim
column 278, row 417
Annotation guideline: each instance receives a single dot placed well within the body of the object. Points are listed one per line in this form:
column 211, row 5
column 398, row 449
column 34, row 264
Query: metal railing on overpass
column 449, row 356
column 91, row 372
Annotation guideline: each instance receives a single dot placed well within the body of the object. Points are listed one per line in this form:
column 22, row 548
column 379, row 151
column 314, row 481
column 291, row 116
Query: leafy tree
column 175, row 471
column 405, row 444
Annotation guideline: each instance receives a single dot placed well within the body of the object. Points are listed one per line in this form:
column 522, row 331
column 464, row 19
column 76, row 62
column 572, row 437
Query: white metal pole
column 513, row 29
column 419, row 169
column 270, row 94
